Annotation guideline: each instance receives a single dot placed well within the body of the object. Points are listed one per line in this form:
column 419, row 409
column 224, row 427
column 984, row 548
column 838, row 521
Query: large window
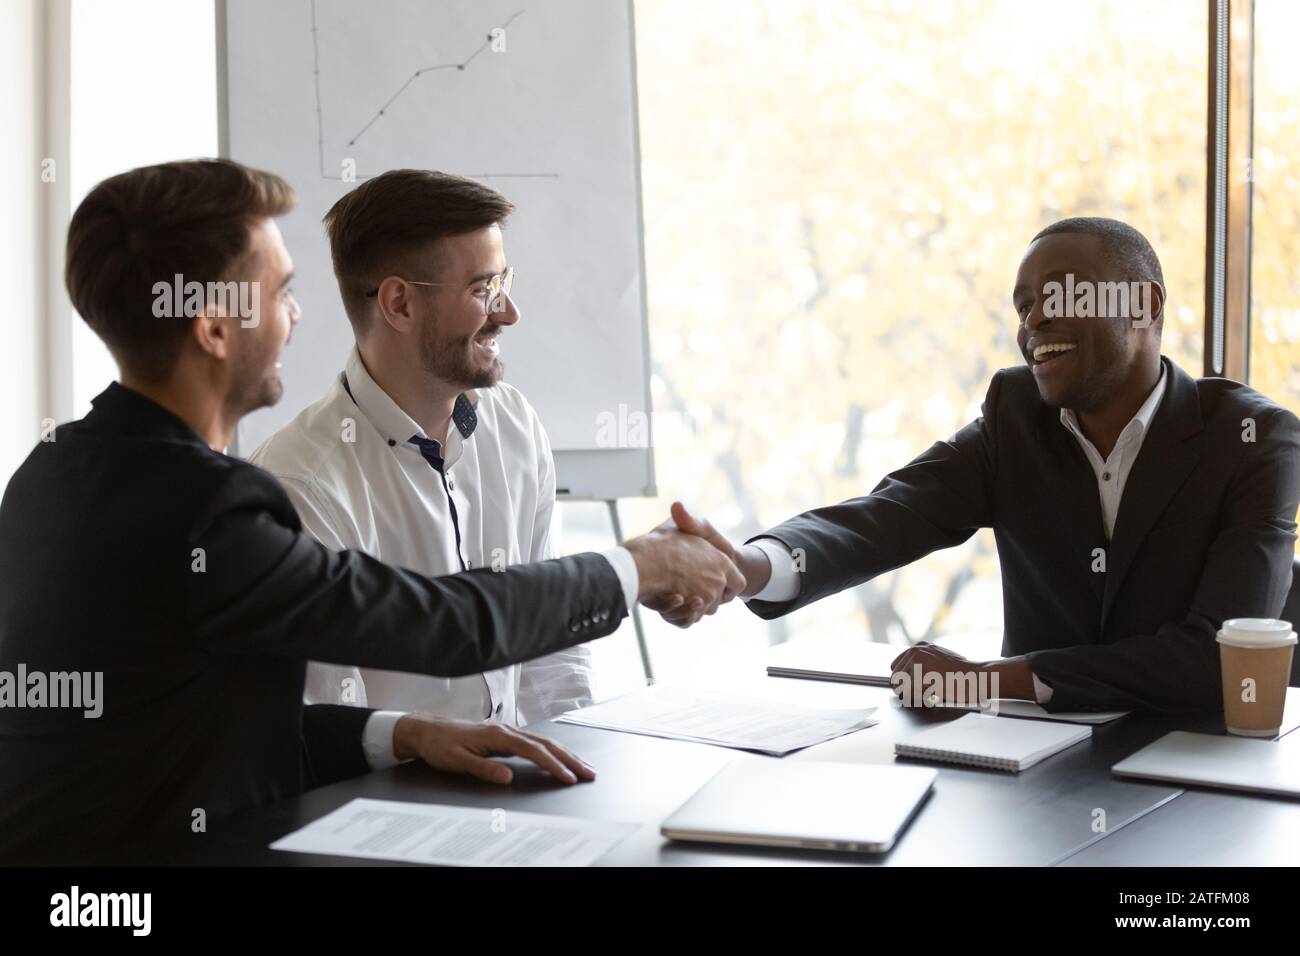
column 1275, row 282
column 143, row 90
column 837, row 196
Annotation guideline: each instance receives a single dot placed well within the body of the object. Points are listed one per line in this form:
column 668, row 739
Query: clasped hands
column 687, row 569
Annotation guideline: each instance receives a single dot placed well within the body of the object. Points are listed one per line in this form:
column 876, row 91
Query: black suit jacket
column 1205, row 531
column 129, row 547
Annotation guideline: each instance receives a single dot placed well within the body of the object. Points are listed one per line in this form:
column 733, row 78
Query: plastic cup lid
column 1256, row 632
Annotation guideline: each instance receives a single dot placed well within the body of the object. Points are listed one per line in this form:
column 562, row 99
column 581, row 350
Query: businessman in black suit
column 1134, row 507
column 138, row 559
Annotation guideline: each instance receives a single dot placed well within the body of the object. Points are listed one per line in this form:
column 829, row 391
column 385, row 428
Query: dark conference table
column 1047, row 815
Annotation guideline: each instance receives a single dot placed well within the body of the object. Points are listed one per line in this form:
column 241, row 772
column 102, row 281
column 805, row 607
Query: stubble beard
column 447, row 359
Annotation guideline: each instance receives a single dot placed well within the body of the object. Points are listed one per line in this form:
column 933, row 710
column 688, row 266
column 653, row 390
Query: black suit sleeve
column 938, row 500
column 268, row 589
column 1247, row 574
column 331, row 738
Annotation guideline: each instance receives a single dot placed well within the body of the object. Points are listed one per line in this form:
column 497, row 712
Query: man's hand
column 683, row 573
column 1010, row 678
column 749, row 560
column 464, row 746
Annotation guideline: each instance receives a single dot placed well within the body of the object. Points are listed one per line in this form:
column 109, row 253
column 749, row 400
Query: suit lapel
column 1162, row 466
column 1076, row 485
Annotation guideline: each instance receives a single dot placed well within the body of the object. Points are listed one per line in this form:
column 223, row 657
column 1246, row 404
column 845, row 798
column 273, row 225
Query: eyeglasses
column 497, row 286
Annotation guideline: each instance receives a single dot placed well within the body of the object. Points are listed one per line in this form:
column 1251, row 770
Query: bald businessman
column 1134, row 507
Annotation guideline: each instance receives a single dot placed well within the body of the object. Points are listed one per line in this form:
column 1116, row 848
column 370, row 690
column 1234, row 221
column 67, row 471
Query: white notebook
column 998, row 743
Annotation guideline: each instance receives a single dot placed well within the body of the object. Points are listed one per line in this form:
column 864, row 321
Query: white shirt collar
column 381, row 411
column 393, row 423
column 1138, row 424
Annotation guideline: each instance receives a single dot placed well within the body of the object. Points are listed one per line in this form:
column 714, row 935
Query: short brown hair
column 375, row 229
column 148, row 225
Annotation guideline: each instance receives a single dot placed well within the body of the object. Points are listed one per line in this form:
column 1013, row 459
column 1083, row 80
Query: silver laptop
column 803, row 803
column 1212, row 760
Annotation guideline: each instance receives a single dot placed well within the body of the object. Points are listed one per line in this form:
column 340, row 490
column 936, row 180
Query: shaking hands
column 688, row 569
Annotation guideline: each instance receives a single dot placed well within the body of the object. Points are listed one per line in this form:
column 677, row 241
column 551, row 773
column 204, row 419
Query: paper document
column 1009, row 707
column 455, row 836
column 727, row 720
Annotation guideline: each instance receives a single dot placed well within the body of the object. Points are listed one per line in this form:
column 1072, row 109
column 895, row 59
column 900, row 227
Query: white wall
column 99, row 88
column 22, row 275
column 144, row 91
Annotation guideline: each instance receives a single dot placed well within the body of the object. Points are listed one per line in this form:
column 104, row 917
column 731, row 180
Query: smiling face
column 1080, row 363
column 459, row 336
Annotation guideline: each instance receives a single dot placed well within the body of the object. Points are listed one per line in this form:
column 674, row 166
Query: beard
column 450, row 359
column 255, row 383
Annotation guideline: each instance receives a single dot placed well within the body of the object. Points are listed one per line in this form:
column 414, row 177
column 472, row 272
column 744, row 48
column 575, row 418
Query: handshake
column 687, row 569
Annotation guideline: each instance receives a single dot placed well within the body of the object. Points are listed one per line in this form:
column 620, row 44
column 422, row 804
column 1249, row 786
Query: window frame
column 1228, row 188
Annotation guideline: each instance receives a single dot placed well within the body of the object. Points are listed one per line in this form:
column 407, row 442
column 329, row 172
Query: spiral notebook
column 997, row 743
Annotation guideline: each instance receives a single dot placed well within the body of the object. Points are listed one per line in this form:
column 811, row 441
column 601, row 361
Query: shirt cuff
column 377, row 739
column 1041, row 691
column 783, row 583
column 624, row 566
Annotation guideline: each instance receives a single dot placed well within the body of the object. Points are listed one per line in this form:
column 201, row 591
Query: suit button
column 498, row 708
column 586, row 622
column 451, row 485
column 574, row 625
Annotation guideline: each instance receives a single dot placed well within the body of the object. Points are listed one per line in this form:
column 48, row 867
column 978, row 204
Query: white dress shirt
column 1112, row 474
column 363, row 475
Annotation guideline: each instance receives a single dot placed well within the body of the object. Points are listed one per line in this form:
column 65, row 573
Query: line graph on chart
column 492, row 46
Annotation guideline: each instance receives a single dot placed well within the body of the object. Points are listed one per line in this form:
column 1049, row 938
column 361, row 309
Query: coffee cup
column 1255, row 655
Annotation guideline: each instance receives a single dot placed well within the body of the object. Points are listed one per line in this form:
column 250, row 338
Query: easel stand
column 635, row 609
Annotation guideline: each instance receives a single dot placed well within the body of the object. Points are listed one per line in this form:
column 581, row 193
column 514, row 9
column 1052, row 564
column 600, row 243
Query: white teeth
column 1053, row 347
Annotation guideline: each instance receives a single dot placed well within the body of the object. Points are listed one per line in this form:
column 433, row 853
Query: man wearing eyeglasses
column 419, row 454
